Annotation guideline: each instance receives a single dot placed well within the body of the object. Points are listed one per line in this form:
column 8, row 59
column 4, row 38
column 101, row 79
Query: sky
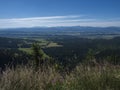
column 53, row 13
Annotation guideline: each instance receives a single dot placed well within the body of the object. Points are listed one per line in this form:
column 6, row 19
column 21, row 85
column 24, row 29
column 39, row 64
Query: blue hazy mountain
column 74, row 31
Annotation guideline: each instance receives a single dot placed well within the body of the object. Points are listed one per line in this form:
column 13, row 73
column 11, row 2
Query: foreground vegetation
column 105, row 77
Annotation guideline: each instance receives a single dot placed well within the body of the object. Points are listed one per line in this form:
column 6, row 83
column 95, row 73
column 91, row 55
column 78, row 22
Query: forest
column 67, row 50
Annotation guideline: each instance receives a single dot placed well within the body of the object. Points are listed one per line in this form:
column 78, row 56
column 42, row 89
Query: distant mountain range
column 64, row 28
column 74, row 31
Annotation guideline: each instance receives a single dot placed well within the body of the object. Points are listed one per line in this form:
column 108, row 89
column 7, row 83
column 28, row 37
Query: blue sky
column 49, row 13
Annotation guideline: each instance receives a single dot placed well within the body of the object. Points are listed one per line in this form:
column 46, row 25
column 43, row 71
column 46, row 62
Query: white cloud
column 54, row 21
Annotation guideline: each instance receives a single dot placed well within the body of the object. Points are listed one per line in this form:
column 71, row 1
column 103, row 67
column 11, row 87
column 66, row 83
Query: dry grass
column 82, row 78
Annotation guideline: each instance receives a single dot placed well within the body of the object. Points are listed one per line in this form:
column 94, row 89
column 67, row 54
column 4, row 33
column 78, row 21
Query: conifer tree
column 38, row 55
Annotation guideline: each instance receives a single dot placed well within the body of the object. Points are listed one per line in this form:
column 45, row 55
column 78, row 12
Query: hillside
column 67, row 59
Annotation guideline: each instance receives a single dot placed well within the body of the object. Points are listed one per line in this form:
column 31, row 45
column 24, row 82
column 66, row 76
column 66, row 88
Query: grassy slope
column 82, row 78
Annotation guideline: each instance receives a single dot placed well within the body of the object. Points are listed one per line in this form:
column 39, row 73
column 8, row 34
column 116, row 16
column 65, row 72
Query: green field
column 42, row 42
column 27, row 50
